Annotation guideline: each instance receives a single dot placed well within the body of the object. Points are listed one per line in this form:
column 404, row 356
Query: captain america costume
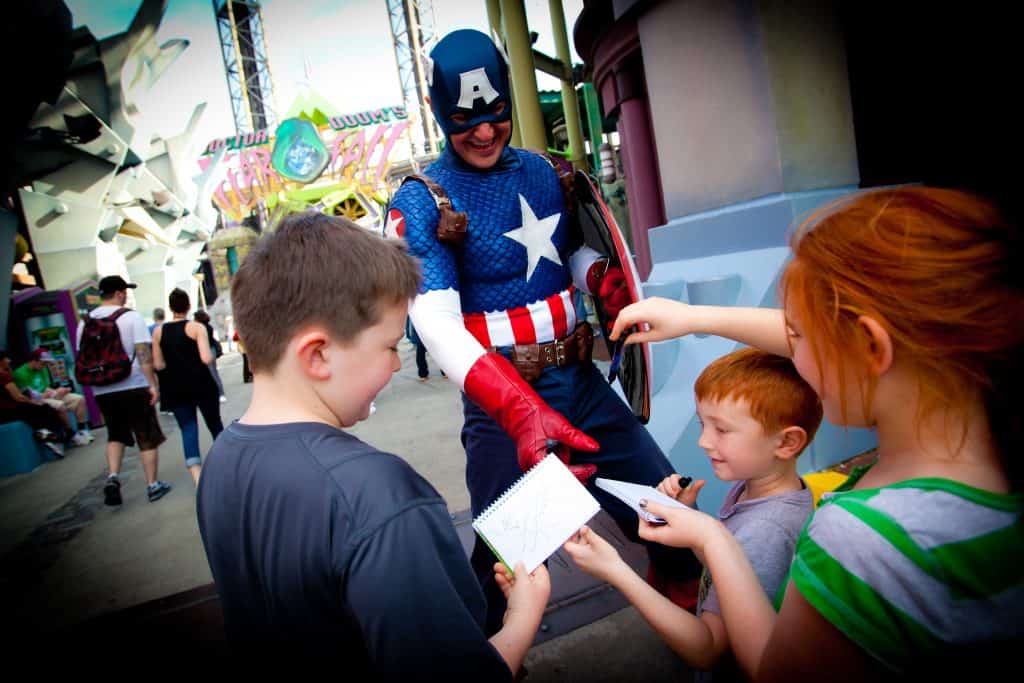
column 499, row 305
column 515, row 279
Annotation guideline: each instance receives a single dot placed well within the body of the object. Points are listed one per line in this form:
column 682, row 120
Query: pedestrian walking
column 181, row 351
column 115, row 358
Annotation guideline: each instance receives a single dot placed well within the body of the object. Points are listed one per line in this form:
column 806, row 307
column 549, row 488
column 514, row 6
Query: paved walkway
column 68, row 562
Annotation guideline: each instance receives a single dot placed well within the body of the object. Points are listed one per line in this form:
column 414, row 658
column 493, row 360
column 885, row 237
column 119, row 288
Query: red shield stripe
column 395, row 226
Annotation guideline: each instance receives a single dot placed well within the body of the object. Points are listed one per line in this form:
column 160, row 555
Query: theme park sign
column 258, row 166
column 343, row 122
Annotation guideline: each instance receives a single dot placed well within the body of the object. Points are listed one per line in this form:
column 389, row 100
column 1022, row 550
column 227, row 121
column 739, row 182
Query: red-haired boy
column 757, row 415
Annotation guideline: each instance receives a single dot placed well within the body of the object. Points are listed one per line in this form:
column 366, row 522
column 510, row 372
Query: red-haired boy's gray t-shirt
column 323, row 547
column 767, row 528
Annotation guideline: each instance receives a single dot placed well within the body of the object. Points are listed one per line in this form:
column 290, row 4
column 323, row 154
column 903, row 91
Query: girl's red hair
column 938, row 269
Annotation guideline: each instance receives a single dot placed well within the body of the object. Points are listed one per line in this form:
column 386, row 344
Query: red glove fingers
column 494, row 385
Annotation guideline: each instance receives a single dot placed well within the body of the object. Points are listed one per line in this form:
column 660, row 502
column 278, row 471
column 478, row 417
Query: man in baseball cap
column 128, row 404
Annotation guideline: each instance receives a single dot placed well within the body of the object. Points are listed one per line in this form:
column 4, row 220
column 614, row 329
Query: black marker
column 616, row 359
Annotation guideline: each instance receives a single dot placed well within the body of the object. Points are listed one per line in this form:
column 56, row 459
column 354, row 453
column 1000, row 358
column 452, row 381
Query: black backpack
column 101, row 356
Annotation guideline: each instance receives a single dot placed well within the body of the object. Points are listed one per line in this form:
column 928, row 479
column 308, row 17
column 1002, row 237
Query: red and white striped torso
column 537, row 323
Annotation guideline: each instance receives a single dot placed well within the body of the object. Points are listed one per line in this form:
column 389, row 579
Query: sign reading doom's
column 359, row 156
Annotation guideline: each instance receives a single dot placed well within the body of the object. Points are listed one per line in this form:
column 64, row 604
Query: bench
column 19, row 450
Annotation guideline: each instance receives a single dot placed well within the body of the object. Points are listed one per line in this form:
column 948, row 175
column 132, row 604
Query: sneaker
column 157, row 490
column 88, row 435
column 56, row 448
column 80, row 439
column 112, row 491
column 223, row 399
column 423, row 379
column 44, row 434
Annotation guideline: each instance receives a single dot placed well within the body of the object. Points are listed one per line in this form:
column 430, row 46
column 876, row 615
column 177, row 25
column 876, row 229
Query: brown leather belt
column 530, row 359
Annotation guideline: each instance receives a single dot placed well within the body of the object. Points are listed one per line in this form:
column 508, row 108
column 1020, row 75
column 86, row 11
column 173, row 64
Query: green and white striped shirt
column 916, row 569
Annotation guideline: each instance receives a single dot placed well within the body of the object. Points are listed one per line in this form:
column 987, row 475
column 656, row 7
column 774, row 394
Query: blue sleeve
column 420, row 217
column 417, row 601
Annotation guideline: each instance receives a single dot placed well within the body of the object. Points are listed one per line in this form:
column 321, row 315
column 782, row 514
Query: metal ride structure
column 412, row 28
column 244, row 48
column 312, row 156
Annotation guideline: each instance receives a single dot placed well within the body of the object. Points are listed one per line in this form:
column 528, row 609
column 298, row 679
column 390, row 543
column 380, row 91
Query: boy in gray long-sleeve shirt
column 757, row 415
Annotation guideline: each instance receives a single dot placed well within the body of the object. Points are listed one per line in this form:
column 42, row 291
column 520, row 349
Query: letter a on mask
column 474, row 84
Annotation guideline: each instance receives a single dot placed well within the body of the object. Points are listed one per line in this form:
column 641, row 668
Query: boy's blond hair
column 774, row 391
column 316, row 269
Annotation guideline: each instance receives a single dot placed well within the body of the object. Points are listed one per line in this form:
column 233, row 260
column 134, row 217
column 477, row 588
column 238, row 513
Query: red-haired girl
column 904, row 309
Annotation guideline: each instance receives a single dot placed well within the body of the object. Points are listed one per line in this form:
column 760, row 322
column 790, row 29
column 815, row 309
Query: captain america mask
column 469, row 78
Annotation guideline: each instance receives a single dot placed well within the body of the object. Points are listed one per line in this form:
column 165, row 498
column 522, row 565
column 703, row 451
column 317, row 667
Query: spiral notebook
column 632, row 494
column 536, row 515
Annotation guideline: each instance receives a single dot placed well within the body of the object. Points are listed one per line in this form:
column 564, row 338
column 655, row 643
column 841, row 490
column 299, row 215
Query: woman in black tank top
column 181, row 351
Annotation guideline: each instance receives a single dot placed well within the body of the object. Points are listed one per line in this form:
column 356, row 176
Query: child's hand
column 687, row 495
column 526, row 593
column 594, row 555
column 684, row 527
column 663, row 319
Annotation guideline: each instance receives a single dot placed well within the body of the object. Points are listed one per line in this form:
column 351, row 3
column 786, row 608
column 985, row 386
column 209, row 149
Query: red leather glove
column 608, row 283
column 494, row 385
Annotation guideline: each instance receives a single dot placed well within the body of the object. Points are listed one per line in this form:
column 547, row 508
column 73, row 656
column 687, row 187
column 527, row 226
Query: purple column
column 643, row 181
column 619, row 77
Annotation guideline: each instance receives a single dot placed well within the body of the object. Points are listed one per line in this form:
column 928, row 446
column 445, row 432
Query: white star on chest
column 536, row 236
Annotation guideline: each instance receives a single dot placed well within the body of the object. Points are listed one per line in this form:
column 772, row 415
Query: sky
column 347, row 43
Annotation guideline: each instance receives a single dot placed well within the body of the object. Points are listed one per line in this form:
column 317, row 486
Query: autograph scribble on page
column 536, row 515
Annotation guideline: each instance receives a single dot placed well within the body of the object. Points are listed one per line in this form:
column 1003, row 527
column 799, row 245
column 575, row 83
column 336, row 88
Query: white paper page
column 541, row 511
column 631, row 494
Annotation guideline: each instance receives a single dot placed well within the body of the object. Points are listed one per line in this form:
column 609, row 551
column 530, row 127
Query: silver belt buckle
column 560, row 353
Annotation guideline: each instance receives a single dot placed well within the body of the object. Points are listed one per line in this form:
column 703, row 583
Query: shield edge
column 628, row 265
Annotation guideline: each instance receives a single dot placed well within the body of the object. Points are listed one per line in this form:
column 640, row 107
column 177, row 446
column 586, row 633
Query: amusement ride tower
column 412, row 27
column 244, row 48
